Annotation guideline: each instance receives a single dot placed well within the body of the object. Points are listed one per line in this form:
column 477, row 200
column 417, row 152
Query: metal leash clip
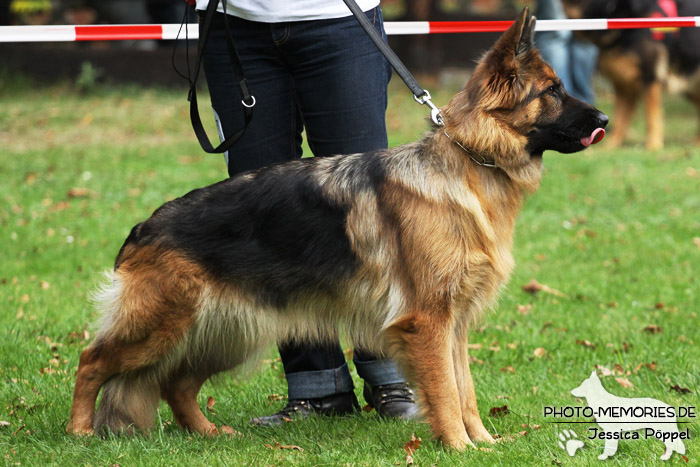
column 435, row 114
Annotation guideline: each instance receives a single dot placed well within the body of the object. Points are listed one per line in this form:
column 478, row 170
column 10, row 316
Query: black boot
column 392, row 400
column 335, row 404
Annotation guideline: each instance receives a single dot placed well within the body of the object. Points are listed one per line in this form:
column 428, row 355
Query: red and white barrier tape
column 118, row 32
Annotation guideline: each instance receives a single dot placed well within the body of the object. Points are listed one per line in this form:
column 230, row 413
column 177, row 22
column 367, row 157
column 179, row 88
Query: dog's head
column 514, row 106
column 590, row 386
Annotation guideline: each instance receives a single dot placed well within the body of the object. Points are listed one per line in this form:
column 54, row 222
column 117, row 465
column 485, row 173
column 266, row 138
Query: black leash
column 248, row 101
column 419, row 94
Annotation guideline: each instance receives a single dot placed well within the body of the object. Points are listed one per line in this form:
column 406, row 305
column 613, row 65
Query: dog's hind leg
column 655, row 118
column 93, row 371
column 625, row 103
column 126, row 394
column 149, row 307
column 422, row 345
column 693, row 95
column 465, row 384
column 180, row 392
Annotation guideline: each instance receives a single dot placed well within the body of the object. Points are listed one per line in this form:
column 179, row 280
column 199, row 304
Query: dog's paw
column 569, row 442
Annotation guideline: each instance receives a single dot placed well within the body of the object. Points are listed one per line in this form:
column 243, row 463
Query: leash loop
column 251, row 105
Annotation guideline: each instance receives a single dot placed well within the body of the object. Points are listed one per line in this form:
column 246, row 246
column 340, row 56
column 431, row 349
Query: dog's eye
column 552, row 90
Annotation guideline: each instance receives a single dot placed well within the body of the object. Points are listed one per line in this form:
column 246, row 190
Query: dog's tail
column 129, row 402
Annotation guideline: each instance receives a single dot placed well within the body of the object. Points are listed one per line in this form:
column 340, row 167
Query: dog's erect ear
column 594, row 375
column 519, row 38
column 527, row 33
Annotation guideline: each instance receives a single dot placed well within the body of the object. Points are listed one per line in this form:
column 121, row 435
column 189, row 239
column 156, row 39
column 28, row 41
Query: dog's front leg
column 423, row 343
column 465, row 384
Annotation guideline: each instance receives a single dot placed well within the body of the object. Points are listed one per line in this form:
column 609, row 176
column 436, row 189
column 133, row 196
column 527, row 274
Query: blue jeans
column 328, row 78
column 573, row 61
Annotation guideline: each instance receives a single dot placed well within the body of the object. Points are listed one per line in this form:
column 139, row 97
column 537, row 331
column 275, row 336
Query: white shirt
column 278, row 11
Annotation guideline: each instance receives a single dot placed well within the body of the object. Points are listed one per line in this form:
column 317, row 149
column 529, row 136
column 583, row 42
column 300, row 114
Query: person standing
column 310, row 66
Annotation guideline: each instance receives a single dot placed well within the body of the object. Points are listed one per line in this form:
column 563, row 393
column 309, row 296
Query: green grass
column 613, row 231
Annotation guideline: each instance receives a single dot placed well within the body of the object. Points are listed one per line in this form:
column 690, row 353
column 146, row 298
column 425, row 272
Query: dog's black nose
column 603, row 119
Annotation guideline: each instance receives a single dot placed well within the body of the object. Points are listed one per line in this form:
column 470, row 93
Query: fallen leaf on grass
column 652, row 329
column 625, row 383
column 680, row 389
column 625, row 347
column 78, row 192
column 276, row 397
column 524, row 309
column 410, row 447
column 539, row 352
column 499, row 411
column 533, row 287
column 651, row 366
column 284, row 446
column 78, row 336
column 508, row 369
column 604, row 371
column 696, row 240
column 4, row 423
column 60, row 206
column 586, row 343
column 367, row 408
column 210, row 404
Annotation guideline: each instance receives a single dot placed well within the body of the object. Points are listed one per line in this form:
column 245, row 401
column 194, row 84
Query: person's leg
column 584, row 57
column 554, row 49
column 340, row 81
column 274, row 135
column 554, row 45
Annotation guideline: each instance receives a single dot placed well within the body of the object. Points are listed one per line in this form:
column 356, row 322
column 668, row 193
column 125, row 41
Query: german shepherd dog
column 401, row 248
column 640, row 64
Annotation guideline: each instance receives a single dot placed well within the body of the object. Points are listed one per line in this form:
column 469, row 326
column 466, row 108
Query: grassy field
column 614, row 235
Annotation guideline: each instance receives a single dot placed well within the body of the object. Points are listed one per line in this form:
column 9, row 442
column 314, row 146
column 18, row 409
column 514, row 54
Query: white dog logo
column 618, row 415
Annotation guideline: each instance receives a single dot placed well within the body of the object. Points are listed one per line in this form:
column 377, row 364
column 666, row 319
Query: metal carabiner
column 435, row 114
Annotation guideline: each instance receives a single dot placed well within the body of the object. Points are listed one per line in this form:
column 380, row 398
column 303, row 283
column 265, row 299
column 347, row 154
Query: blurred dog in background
column 640, row 63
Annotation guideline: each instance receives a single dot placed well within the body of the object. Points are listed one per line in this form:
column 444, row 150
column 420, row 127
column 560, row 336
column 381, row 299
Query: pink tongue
column 595, row 137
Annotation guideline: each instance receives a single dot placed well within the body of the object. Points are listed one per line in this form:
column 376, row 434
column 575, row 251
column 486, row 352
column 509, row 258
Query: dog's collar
column 472, row 155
